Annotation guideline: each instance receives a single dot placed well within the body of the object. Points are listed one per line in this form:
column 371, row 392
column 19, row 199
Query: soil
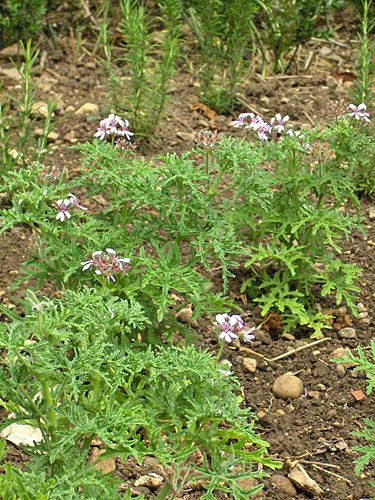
column 316, row 429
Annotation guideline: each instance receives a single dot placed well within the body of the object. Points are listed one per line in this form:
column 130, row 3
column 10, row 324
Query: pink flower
column 242, row 120
column 74, row 202
column 263, row 130
column 359, row 112
column 113, row 125
column 281, row 122
column 247, row 334
column 63, row 206
column 230, row 326
column 106, row 264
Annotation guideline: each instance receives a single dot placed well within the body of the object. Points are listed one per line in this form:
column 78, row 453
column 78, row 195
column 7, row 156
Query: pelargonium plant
column 232, row 328
column 113, row 126
column 359, row 112
column 65, row 206
column 251, row 121
column 107, row 264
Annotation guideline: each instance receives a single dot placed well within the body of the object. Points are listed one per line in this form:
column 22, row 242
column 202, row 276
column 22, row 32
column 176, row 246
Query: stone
column 303, row 481
column 22, row 434
column 40, row 108
column 247, row 482
column 104, row 466
column 362, row 315
column 10, row 51
column 154, row 464
column 11, row 73
column 287, row 387
column 250, row 364
column 89, row 108
column 283, row 484
column 347, row 333
column 51, row 137
column 341, row 370
column 151, row 480
column 361, row 307
column 71, row 137
column 69, row 109
column 371, row 212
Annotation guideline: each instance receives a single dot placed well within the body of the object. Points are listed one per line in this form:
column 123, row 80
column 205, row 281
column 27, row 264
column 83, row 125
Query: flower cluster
column 359, row 112
column 207, row 139
column 113, row 126
column 106, row 264
column 65, row 206
column 250, row 121
column 232, row 327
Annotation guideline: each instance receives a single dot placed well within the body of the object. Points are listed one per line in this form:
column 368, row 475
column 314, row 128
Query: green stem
column 220, row 351
column 51, row 412
column 165, row 491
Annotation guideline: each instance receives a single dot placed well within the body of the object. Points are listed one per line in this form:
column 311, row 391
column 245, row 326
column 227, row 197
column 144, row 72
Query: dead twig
column 298, row 349
column 320, row 464
column 333, row 474
column 247, row 105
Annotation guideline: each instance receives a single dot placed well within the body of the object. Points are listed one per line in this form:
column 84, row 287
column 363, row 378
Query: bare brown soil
column 315, row 429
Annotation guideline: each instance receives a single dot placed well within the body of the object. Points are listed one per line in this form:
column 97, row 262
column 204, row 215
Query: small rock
column 287, row 386
column 22, row 434
column 69, row 109
column 247, row 482
column 347, row 333
column 153, row 463
column 40, row 108
column 71, row 137
column 371, row 212
column 104, row 466
column 314, row 394
column 361, row 307
column 365, row 321
column 185, row 136
column 89, row 108
column 288, row 336
column 51, row 137
column 261, row 414
column 91, row 65
column 11, row 73
column 340, row 369
column 250, row 364
column 283, row 484
column 10, row 51
column 280, row 413
column 151, row 480
column 302, row 480
column 263, row 337
column 362, row 315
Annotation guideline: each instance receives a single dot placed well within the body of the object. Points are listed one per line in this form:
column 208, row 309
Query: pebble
column 341, row 370
column 263, row 337
column 70, row 109
column 288, row 336
column 287, row 386
column 362, row 315
column 70, row 137
column 52, row 136
column 104, row 466
column 347, row 333
column 283, row 484
column 11, row 73
column 250, row 364
column 361, row 307
column 151, row 480
column 89, row 108
column 40, row 108
column 371, row 212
